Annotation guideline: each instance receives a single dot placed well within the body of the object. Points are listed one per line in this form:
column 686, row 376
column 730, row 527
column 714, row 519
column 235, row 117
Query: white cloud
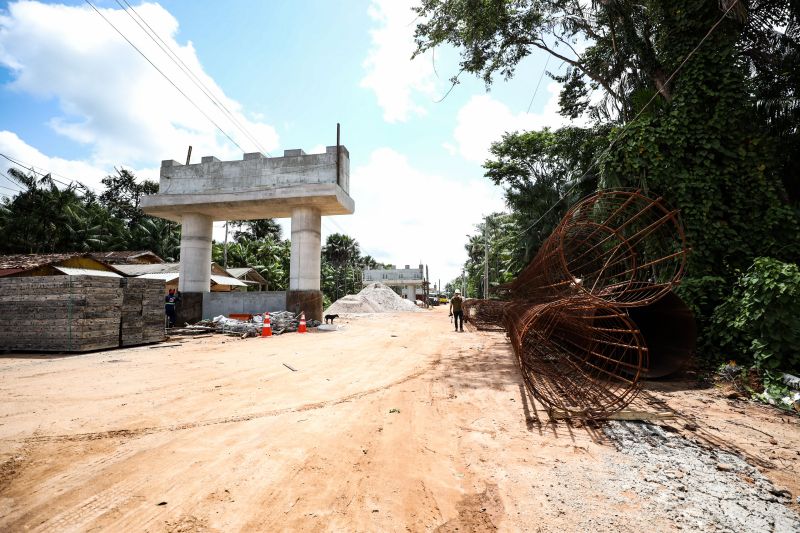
column 395, row 79
column 483, row 120
column 111, row 99
column 405, row 215
column 63, row 170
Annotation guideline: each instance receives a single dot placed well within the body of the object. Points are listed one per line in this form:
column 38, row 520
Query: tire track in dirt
column 139, row 432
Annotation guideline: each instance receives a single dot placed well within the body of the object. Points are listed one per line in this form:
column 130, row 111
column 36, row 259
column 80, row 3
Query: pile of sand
column 374, row 298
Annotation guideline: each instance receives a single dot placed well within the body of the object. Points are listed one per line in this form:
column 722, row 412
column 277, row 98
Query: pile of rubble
column 280, row 322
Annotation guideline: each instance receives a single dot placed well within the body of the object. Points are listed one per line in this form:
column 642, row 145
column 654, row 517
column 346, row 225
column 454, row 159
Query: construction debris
column 281, row 322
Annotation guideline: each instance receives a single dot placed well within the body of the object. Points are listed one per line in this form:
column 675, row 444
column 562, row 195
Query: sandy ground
column 393, row 423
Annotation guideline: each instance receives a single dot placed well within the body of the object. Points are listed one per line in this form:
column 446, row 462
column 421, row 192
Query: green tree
column 269, row 257
column 123, row 195
column 343, row 253
column 538, row 171
column 44, row 218
column 709, row 126
column 258, row 229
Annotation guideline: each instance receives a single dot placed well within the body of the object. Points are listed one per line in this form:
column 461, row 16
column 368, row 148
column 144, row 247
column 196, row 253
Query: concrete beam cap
column 209, row 159
column 253, row 155
column 332, row 150
column 294, row 152
column 168, row 163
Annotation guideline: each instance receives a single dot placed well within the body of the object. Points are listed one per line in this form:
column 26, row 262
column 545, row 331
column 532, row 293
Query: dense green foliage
column 44, row 218
column 342, row 266
column 759, row 323
column 267, row 255
column 719, row 139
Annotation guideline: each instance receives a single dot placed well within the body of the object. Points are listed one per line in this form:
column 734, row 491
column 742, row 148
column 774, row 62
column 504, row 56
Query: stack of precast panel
column 79, row 313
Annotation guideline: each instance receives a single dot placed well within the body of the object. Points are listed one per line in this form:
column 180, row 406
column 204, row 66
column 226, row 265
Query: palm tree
column 341, row 251
column 46, row 219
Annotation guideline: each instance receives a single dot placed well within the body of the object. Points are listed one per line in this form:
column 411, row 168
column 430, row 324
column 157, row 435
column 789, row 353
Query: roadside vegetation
column 711, row 126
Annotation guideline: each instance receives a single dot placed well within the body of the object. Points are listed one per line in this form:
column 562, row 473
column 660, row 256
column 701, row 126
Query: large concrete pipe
column 670, row 333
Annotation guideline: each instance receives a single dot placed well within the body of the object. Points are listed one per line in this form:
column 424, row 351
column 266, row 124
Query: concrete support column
column 304, row 270
column 304, row 267
column 196, row 233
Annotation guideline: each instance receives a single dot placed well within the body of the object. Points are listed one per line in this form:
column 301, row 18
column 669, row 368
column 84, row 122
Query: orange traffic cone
column 266, row 329
column 302, row 327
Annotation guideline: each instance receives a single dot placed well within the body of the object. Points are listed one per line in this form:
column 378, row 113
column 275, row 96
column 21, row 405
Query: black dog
column 330, row 317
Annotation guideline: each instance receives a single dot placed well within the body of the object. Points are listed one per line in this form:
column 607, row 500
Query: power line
column 544, row 69
column 31, row 168
column 165, row 76
column 625, row 127
column 188, row 71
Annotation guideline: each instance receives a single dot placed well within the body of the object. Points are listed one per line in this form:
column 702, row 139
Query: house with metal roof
column 127, row 257
column 221, row 279
column 251, row 277
column 69, row 264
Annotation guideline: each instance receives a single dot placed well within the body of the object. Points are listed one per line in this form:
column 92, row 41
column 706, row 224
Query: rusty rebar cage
column 566, row 313
column 617, row 246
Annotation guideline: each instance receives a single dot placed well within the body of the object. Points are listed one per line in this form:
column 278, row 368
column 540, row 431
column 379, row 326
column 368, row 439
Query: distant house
column 221, row 280
column 69, row 264
column 250, row 276
column 407, row 282
column 138, row 257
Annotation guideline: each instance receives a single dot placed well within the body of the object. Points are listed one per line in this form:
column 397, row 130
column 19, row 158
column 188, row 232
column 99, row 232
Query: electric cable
column 165, row 76
column 173, row 56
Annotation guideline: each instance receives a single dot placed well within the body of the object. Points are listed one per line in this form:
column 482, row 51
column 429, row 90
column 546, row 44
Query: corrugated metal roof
column 27, row 261
column 154, row 268
column 226, row 280
column 69, row 271
column 166, row 276
column 238, row 272
column 170, row 276
column 125, row 256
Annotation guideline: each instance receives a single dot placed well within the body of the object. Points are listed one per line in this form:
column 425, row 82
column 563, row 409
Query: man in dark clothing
column 456, row 311
column 170, row 301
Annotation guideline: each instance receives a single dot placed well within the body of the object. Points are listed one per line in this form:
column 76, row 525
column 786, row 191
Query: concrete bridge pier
column 298, row 185
column 304, row 269
column 195, row 273
column 196, row 235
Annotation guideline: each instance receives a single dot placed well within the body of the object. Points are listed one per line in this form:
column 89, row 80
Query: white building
column 405, row 281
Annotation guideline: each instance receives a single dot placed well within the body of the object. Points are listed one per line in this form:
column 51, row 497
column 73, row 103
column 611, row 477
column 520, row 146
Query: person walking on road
column 456, row 311
column 170, row 301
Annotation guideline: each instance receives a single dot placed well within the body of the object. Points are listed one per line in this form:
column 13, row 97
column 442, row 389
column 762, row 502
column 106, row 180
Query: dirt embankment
column 392, row 423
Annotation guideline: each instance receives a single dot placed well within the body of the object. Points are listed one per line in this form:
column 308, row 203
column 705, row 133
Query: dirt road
column 393, row 423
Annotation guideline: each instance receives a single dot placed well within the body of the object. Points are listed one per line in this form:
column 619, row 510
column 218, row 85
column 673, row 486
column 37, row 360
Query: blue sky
column 76, row 99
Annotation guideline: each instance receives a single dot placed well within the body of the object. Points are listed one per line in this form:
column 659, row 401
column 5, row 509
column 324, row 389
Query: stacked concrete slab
column 142, row 319
column 77, row 313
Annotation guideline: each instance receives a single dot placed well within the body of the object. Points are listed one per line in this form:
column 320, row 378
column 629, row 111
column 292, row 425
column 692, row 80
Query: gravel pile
column 698, row 489
column 374, row 298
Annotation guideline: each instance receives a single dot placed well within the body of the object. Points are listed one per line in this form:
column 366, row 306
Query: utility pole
column 225, row 246
column 486, row 260
column 463, row 284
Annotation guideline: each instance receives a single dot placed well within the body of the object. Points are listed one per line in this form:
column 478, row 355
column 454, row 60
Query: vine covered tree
column 696, row 102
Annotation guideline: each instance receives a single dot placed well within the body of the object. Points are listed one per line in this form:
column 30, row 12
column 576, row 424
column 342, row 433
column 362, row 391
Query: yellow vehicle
column 442, row 299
